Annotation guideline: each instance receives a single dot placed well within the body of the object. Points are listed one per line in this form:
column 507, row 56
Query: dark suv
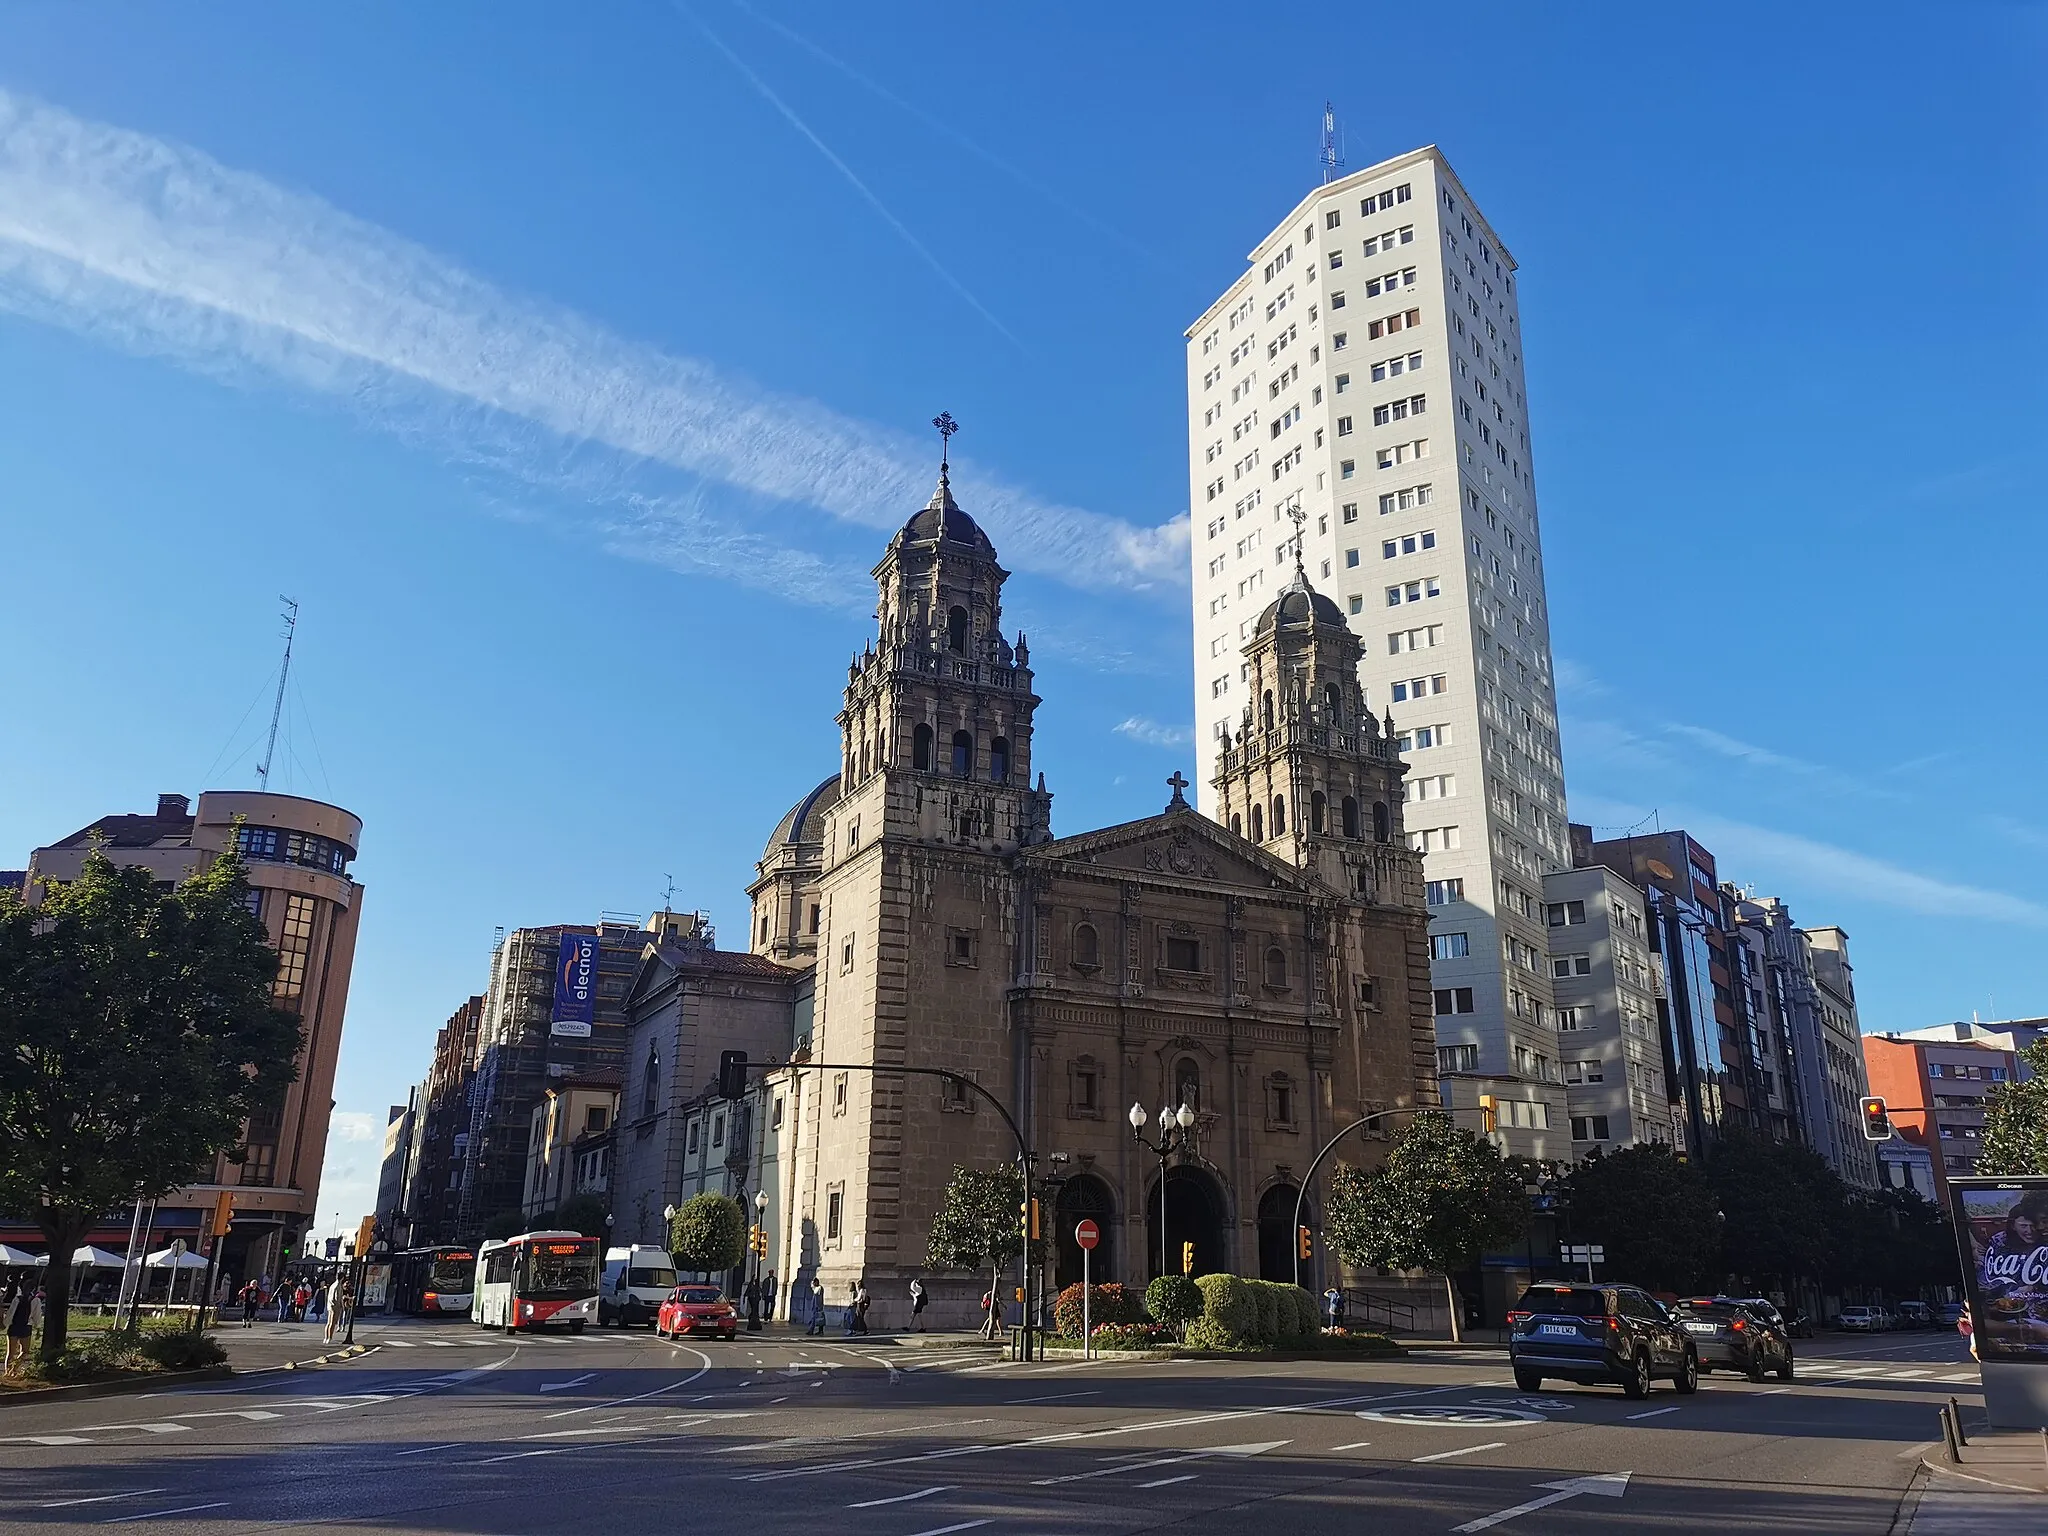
column 1596, row 1333
column 1734, row 1336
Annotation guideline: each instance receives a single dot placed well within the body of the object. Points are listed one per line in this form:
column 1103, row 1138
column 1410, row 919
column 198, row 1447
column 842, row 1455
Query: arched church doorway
column 1088, row 1197
column 1196, row 1212
column 1277, row 1236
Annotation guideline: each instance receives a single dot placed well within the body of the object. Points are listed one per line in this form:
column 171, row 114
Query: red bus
column 537, row 1280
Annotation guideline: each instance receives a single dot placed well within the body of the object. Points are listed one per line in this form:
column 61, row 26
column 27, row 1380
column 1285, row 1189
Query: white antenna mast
column 1331, row 160
column 291, row 625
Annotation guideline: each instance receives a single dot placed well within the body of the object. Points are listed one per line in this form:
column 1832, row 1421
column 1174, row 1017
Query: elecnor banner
column 2002, row 1235
column 575, row 986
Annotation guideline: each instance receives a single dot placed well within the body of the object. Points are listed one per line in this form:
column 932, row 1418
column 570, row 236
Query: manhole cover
column 1453, row 1416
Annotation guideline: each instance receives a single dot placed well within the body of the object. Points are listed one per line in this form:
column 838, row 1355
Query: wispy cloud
column 159, row 249
column 1776, row 762
column 1797, row 866
column 354, row 1125
column 1152, row 733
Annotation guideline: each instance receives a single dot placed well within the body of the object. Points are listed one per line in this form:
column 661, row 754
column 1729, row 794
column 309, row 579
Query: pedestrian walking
column 301, row 1298
column 852, row 1296
column 334, row 1304
column 22, row 1306
column 768, row 1296
column 250, row 1297
column 992, row 1323
column 860, row 1308
column 817, row 1324
column 917, row 1301
column 1333, row 1306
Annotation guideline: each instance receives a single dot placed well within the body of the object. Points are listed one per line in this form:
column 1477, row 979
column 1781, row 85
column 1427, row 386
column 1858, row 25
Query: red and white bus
column 537, row 1280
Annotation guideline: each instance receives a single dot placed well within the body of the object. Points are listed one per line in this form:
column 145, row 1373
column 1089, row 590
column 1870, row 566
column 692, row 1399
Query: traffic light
column 1307, row 1246
column 223, row 1214
column 1187, row 1258
column 1489, row 1113
column 732, row 1074
column 1034, row 1219
column 1877, row 1120
column 366, row 1234
column 757, row 1241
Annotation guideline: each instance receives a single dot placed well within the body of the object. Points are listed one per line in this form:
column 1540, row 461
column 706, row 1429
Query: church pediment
column 1178, row 845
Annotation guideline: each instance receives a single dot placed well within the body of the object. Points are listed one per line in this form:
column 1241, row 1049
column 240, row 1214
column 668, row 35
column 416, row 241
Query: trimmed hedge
column 1239, row 1314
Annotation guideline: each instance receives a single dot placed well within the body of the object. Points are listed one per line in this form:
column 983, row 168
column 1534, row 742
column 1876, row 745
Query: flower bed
column 1131, row 1336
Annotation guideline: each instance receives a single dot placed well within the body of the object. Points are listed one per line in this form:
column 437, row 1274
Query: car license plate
column 1564, row 1328
column 1702, row 1328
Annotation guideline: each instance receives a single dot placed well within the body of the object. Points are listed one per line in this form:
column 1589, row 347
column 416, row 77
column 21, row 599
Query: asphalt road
column 449, row 1428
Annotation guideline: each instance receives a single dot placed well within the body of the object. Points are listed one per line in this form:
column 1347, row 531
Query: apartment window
column 1561, row 914
column 845, row 956
column 839, row 1094
column 1457, row 1058
column 1332, row 218
column 1441, row 893
column 1356, row 603
column 1350, row 511
column 1562, row 966
column 1450, row 1000
column 1393, row 324
column 1343, row 426
column 1449, row 946
column 1347, row 469
column 1339, row 342
column 294, row 946
column 718, row 1131
column 1589, row 1128
column 1350, row 558
column 691, row 1147
column 1337, row 299
column 1573, row 1018
column 1585, row 1072
column 775, row 1115
column 835, row 1214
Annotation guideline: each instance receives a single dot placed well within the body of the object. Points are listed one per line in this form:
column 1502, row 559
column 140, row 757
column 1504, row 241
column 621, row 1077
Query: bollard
column 2044, row 1447
column 1948, row 1434
column 1955, row 1417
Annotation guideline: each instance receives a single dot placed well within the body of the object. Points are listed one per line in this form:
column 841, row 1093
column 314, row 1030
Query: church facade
column 1270, row 972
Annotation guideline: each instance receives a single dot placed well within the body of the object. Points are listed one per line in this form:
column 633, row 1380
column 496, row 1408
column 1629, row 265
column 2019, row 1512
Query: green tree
column 1893, row 1239
column 1655, row 1216
column 1442, row 1198
column 2016, row 1120
column 708, row 1233
column 579, row 1213
column 1783, row 1203
column 506, row 1224
column 137, row 1034
column 980, row 1222
column 1174, row 1301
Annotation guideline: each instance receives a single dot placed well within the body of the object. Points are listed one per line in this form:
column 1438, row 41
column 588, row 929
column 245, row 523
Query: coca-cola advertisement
column 2002, row 1226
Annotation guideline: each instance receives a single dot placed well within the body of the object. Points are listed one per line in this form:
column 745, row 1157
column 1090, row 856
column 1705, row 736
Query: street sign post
column 1086, row 1236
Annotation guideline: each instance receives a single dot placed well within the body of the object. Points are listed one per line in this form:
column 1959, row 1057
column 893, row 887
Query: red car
column 697, row 1309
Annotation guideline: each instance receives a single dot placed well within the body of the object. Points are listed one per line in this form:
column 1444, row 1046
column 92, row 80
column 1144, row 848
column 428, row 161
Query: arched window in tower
column 1379, row 821
column 1258, row 825
column 1266, row 709
column 1350, row 814
column 1333, row 709
column 650, row 1093
column 999, row 760
column 956, row 631
column 921, row 747
column 1318, row 812
column 963, row 755
column 1236, row 824
column 1087, row 946
column 1187, row 1084
column 1279, row 814
column 1276, row 966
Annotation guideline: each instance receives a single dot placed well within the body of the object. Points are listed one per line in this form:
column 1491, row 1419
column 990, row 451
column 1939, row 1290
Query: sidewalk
column 2014, row 1460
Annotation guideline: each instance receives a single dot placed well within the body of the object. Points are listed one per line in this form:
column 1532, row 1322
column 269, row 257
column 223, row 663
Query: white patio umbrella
column 164, row 1259
column 90, row 1257
column 19, row 1257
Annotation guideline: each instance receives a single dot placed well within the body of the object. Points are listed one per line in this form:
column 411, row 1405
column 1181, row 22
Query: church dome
column 942, row 521
column 804, row 822
column 1299, row 604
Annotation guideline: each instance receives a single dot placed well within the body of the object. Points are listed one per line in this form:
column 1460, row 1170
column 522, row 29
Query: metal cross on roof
column 1178, row 782
column 947, row 427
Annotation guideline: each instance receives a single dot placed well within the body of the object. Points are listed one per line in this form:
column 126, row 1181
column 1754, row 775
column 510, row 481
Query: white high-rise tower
column 1367, row 369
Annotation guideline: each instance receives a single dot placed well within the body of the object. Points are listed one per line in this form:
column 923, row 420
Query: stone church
column 1271, row 973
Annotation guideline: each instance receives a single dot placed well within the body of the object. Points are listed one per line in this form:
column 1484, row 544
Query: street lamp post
column 754, row 1290
column 1176, row 1134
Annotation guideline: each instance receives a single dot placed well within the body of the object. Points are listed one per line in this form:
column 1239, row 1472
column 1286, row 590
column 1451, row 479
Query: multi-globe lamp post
column 1176, row 1134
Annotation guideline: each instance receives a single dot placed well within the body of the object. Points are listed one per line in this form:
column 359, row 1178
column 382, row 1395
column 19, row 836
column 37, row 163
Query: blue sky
column 571, row 371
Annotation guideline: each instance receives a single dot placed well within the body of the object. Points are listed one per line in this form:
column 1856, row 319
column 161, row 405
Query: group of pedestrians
column 854, row 1320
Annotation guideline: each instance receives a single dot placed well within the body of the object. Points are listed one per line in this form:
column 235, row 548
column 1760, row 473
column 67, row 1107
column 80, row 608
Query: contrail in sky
column 846, row 170
column 940, row 126
column 164, row 251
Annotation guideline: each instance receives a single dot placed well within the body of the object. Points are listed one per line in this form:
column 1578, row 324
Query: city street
column 444, row 1427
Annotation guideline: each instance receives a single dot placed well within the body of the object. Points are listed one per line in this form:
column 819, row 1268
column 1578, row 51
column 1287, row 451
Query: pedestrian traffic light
column 1489, row 1113
column 732, row 1074
column 1877, row 1120
column 1307, row 1246
column 1187, row 1258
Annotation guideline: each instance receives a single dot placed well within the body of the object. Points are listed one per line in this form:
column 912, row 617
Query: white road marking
column 1961, row 1376
column 1906, row 1375
column 947, row 1530
column 421, row 1450
column 1774, row 1391
column 563, row 1386
column 1351, row 1445
column 1163, row 1482
column 1470, row 1450
column 914, row 1429
column 1253, row 1449
column 1056, row 1397
column 621, row 1402
column 156, row 1514
column 101, row 1498
column 1613, row 1485
column 1652, row 1413
column 904, row 1498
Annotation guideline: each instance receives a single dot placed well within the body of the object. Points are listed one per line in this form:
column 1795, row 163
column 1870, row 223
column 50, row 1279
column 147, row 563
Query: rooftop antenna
column 291, row 625
column 668, row 899
column 1332, row 161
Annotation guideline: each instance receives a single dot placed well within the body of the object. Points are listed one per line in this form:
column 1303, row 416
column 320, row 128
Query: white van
column 636, row 1282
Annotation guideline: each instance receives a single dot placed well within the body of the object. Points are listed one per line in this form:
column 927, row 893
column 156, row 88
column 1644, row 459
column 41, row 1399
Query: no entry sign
column 1087, row 1235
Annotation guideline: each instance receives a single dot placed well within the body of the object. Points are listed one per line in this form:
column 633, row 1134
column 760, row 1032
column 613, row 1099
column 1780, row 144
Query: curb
column 352, row 1352
column 88, row 1389
column 1172, row 1352
column 1948, row 1469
